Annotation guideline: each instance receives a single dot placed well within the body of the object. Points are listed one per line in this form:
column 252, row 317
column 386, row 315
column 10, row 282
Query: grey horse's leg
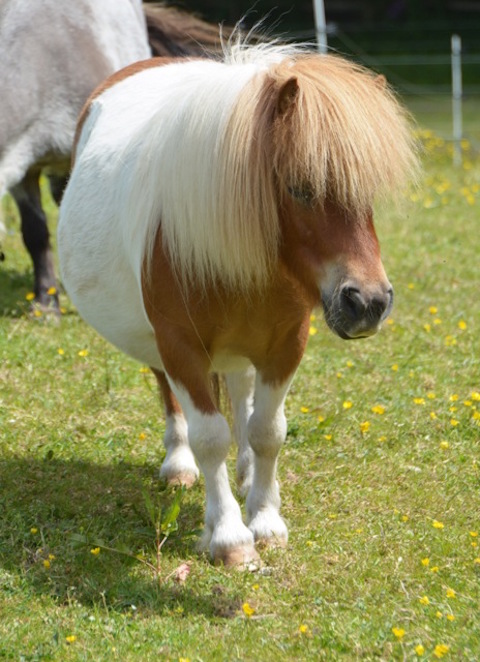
column 37, row 238
column 58, row 184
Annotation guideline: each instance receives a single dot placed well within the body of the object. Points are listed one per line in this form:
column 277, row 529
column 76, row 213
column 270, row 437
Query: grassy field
column 380, row 477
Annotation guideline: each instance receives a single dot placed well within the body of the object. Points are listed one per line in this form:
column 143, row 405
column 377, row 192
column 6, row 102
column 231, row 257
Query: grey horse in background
column 52, row 55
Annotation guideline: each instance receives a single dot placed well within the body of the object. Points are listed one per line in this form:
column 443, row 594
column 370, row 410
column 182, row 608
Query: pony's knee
column 209, row 436
column 266, row 437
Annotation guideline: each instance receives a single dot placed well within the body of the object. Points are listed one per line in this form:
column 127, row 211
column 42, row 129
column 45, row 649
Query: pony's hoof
column 269, row 529
column 244, row 557
column 184, row 479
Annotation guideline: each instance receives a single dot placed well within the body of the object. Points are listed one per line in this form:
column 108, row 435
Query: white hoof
column 179, row 468
column 269, row 529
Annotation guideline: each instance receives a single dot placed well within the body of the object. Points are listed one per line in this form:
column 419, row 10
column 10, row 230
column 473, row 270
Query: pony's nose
column 359, row 306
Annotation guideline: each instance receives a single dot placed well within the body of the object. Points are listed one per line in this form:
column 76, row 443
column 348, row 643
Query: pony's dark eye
column 303, row 194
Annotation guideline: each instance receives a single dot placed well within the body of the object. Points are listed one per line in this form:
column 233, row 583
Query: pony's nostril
column 353, row 303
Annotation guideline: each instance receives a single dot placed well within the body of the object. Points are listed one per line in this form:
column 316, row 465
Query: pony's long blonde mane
column 345, row 136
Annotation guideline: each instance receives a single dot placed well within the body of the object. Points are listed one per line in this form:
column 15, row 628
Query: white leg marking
column 179, row 464
column 267, row 429
column 241, row 388
column 227, row 537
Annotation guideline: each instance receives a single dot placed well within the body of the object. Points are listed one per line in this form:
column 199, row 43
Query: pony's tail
column 176, row 33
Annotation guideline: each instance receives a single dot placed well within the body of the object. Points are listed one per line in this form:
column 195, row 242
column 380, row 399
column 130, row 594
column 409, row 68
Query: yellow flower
column 144, row 370
column 70, row 639
column 247, row 610
column 321, row 419
column 450, row 341
column 419, row 650
column 462, row 325
column 424, row 600
column 426, row 562
column 435, row 568
column 37, row 313
column 419, row 401
column 46, row 564
column 395, row 367
column 450, row 617
column 477, row 560
column 433, row 310
column 95, row 551
column 328, row 437
column 453, row 397
column 454, row 422
column 441, row 650
column 303, row 629
column 427, row 327
column 364, row 427
column 33, row 530
column 439, row 614
column 431, row 395
column 30, row 296
column 60, row 351
column 348, row 404
column 433, row 415
column 444, row 445
column 256, row 587
column 304, row 410
column 474, row 534
column 437, row 525
column 378, row 409
column 350, row 364
column 451, row 593
column 399, row 633
column 52, row 291
column 312, row 331
column 83, row 353
column 475, row 395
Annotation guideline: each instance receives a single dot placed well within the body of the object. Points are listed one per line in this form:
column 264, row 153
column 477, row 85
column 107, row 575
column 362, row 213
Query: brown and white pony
column 211, row 207
column 53, row 54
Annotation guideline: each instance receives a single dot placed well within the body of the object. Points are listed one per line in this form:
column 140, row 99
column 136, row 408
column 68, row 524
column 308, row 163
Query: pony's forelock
column 234, row 155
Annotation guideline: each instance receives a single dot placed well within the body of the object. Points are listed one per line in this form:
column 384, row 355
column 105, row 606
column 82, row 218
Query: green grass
column 80, row 443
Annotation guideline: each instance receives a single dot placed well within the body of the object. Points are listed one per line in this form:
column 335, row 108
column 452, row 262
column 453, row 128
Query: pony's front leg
column 267, row 429
column 230, row 542
column 241, row 387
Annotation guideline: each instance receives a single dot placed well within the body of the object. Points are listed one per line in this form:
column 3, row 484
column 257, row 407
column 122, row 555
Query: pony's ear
column 287, row 95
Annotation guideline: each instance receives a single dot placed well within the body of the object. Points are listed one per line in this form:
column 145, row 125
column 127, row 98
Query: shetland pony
column 211, row 207
column 53, row 54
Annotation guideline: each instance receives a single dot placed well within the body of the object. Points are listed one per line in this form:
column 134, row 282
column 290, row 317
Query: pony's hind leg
column 267, row 429
column 179, row 465
column 240, row 389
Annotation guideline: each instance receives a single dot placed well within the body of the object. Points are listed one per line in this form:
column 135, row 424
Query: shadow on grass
column 13, row 288
column 46, row 506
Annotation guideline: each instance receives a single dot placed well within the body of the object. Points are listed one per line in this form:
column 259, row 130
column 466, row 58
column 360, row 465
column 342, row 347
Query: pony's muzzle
column 357, row 313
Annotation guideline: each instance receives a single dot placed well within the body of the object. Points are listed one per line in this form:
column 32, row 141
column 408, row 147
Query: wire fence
column 423, row 80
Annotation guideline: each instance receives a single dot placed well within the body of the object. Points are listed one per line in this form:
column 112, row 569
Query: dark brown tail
column 176, row 33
